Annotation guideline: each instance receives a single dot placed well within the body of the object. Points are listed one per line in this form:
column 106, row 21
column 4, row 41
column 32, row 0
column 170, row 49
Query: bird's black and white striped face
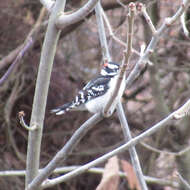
column 110, row 69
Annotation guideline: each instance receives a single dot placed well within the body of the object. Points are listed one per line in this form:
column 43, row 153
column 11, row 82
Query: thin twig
column 21, row 115
column 10, row 57
column 143, row 59
column 103, row 158
column 8, row 107
column 183, row 23
column 111, row 31
column 102, row 34
column 180, row 153
column 112, row 35
column 25, row 48
column 183, row 181
column 142, row 8
column 184, row 111
column 132, row 150
column 22, row 49
column 108, row 110
column 123, row 5
column 96, row 170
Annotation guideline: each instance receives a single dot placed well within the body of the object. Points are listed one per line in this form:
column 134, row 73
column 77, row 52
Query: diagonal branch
column 64, row 152
column 142, row 9
column 118, row 150
column 25, row 48
column 22, row 49
column 183, row 181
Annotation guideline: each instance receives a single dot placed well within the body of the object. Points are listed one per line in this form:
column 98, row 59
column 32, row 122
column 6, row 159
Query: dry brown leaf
column 110, row 178
column 131, row 176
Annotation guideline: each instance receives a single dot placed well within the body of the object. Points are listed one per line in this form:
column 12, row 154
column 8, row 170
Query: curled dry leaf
column 131, row 176
column 110, row 178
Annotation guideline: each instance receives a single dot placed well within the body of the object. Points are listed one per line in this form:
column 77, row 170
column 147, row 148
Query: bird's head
column 109, row 69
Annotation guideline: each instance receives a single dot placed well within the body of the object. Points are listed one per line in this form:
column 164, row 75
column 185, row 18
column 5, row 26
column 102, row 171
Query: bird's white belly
column 98, row 104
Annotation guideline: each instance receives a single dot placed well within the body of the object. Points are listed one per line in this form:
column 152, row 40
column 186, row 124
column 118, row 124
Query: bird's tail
column 62, row 109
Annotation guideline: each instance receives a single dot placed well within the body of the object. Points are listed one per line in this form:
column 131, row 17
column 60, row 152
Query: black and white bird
column 95, row 95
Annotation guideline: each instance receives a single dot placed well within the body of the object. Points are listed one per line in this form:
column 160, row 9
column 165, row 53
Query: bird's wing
column 95, row 88
column 99, row 80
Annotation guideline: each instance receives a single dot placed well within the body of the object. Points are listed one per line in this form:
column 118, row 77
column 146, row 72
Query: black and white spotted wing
column 94, row 88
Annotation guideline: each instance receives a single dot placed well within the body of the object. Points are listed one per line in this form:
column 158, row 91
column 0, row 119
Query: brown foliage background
column 77, row 60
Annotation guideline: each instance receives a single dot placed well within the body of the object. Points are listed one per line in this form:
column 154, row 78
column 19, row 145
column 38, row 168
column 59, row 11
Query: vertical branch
column 132, row 150
column 41, row 91
column 102, row 34
column 127, row 54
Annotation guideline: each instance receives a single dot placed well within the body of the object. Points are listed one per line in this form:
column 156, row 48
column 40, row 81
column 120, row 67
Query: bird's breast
column 98, row 104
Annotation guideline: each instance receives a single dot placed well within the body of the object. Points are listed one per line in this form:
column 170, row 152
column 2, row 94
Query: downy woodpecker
column 95, row 95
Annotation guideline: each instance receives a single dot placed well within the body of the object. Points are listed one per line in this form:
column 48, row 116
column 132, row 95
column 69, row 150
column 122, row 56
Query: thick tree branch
column 64, row 20
column 41, row 91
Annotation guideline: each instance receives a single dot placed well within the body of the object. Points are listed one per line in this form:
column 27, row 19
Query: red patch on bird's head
column 105, row 64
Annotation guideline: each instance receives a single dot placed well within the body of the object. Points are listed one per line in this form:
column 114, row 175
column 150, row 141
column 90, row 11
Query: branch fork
column 21, row 115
